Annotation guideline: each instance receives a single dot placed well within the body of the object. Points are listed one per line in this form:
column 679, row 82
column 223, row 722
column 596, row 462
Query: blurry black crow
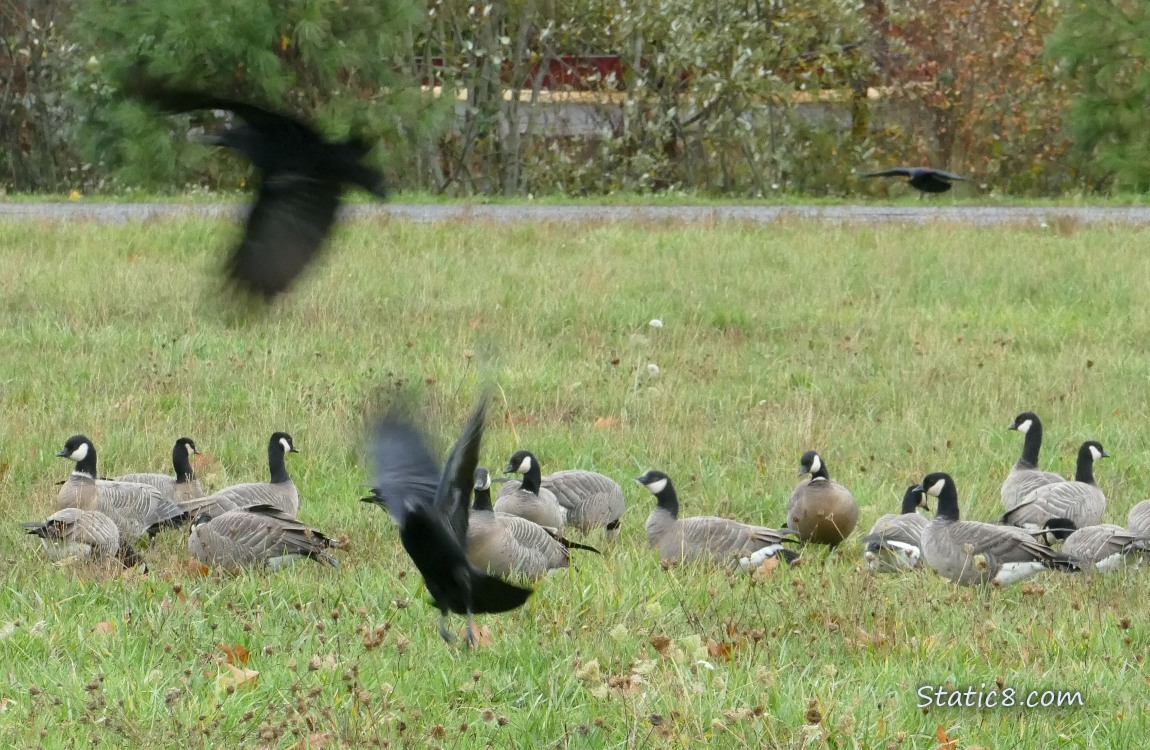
column 431, row 509
column 921, row 178
column 301, row 180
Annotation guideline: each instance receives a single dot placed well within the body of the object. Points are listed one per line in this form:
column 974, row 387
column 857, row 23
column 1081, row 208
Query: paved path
column 977, row 215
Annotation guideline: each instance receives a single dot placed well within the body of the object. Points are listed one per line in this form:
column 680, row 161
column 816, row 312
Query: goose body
column 1080, row 501
column 82, row 534
column 136, row 509
column 1106, row 546
column 972, row 553
column 1025, row 476
column 895, row 541
column 503, row 544
column 279, row 493
column 718, row 540
column 181, row 489
column 1138, row 520
column 529, row 499
column 430, row 506
column 592, row 500
column 256, row 535
column 820, row 511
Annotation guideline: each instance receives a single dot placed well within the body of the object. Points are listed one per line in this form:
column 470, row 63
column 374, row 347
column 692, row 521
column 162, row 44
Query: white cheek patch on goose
column 1095, row 453
column 816, row 464
column 525, row 465
column 657, row 486
column 1024, row 426
column 936, row 489
column 80, row 453
column 190, row 449
column 287, row 446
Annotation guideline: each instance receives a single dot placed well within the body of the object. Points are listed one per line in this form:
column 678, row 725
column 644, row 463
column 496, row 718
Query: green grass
column 895, row 351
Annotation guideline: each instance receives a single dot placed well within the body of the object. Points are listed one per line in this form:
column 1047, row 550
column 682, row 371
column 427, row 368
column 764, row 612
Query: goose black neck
column 532, row 478
column 87, row 465
column 182, row 463
column 947, row 503
column 667, row 499
column 910, row 502
column 276, row 463
column 821, row 473
column 1084, row 470
column 1031, row 444
column 482, row 500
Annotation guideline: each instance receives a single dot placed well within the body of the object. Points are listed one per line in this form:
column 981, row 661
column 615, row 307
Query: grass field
column 894, row 351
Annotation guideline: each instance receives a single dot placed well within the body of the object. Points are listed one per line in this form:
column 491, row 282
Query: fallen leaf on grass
column 5, row 703
column 233, row 676
column 767, row 567
column 195, row 568
column 235, row 654
column 660, row 642
column 944, row 742
column 603, row 423
column 719, row 650
column 105, row 628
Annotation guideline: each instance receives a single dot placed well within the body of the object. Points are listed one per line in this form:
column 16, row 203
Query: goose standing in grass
column 1106, row 546
column 592, row 500
column 1138, row 520
column 726, row 542
column 1025, row 476
column 503, row 544
column 182, row 489
column 819, row 510
column 895, row 541
column 431, row 509
column 256, row 535
column 530, row 499
column 136, row 509
column 1080, row 501
column 280, row 492
column 81, row 534
column 972, row 553
column 301, row 179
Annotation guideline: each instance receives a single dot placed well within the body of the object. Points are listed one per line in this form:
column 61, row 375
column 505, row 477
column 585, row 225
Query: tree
column 1104, row 45
column 337, row 63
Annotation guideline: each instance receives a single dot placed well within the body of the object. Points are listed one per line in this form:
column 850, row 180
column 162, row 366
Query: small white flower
column 655, row 323
column 652, row 368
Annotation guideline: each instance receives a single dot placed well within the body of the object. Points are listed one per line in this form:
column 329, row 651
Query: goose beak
column 509, row 469
column 919, row 488
column 1105, row 454
column 803, row 471
column 63, row 453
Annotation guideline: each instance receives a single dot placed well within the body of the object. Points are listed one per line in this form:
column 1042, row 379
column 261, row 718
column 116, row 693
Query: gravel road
column 976, row 215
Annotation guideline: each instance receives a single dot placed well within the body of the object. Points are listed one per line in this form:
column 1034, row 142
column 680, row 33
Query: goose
column 431, row 509
column 256, row 535
column 819, row 510
column 302, row 178
column 972, row 553
column 1106, row 546
column 503, row 544
column 529, row 499
column 136, row 509
column 895, row 541
column 280, row 492
column 1138, row 519
column 81, row 534
column 1080, row 501
column 719, row 540
column 592, row 500
column 182, row 489
column 1025, row 476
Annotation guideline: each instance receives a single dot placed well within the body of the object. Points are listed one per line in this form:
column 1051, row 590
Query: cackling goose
column 720, row 540
column 529, row 499
column 1138, row 519
column 592, row 500
column 819, row 510
column 973, row 553
column 1025, row 476
column 136, row 509
column 1080, row 501
column 81, row 534
column 895, row 541
column 1106, row 546
column 256, row 535
column 182, row 489
column 280, row 492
